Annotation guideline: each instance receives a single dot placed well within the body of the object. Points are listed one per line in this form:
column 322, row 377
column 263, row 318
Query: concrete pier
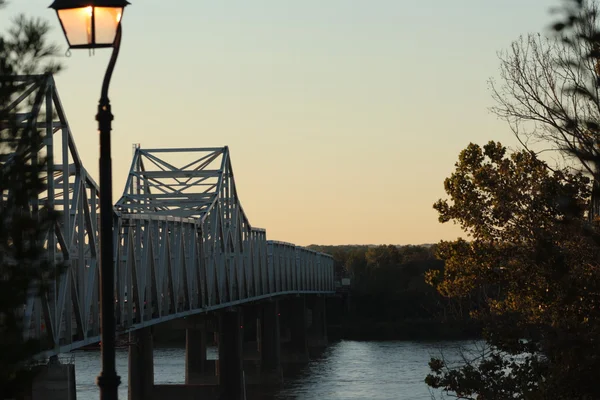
column 270, row 344
column 278, row 336
column 54, row 382
column 231, row 355
column 196, row 365
column 318, row 327
column 141, row 364
column 297, row 321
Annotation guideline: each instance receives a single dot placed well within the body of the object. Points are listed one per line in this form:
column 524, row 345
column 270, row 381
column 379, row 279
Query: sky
column 343, row 117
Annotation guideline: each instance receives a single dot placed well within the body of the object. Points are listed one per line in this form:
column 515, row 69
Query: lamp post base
column 109, row 386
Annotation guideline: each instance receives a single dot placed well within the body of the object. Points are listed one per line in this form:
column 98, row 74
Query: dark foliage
column 532, row 262
column 390, row 298
column 24, row 269
column 534, row 246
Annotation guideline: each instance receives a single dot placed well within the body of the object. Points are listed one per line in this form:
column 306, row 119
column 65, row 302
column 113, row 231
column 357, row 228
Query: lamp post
column 92, row 24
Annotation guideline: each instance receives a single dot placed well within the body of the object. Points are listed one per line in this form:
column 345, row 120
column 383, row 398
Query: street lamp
column 92, row 24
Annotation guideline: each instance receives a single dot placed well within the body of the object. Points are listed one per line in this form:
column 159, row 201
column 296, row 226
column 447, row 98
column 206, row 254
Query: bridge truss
column 183, row 243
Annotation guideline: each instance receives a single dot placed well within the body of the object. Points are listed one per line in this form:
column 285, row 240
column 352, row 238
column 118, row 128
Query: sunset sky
column 343, row 117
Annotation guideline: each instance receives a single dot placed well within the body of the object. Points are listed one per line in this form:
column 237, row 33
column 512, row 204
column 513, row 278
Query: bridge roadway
column 184, row 245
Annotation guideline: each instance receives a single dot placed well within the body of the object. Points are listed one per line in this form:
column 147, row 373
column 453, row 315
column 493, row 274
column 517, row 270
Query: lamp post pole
column 108, row 381
column 93, row 24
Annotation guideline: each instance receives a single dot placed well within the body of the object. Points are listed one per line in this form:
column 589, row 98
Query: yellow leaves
column 494, row 151
column 432, row 277
column 498, row 197
column 533, row 255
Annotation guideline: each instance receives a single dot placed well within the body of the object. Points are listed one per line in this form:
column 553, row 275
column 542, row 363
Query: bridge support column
column 319, row 323
column 251, row 343
column 270, row 344
column 196, row 366
column 231, row 355
column 54, row 381
column 141, row 364
column 298, row 335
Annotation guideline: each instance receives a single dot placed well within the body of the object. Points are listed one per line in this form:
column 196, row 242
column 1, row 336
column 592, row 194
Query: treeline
column 390, row 298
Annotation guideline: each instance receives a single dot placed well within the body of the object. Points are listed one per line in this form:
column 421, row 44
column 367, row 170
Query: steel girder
column 183, row 243
column 186, row 244
column 71, row 305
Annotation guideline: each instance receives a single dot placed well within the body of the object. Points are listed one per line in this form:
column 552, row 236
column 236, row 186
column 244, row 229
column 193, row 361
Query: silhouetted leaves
column 533, row 260
column 548, row 90
column 534, row 248
column 24, row 267
column 389, row 292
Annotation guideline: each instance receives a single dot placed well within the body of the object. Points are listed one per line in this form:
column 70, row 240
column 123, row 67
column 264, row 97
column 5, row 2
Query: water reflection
column 345, row 370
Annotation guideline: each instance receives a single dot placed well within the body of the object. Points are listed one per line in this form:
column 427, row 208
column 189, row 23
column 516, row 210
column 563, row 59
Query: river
column 346, row 370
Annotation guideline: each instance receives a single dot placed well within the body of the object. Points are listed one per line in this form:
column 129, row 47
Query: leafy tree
column 549, row 91
column 390, row 299
column 357, row 263
column 23, row 268
column 416, row 253
column 381, row 256
column 534, row 260
column 533, row 256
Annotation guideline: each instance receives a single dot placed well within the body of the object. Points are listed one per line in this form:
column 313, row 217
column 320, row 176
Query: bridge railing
column 297, row 269
column 167, row 267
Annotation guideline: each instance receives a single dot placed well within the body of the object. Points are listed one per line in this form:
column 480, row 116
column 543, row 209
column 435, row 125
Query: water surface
column 346, row 370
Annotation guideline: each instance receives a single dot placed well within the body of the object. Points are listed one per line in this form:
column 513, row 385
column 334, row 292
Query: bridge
column 184, row 246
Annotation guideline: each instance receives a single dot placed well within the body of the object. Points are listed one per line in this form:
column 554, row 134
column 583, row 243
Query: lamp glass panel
column 107, row 21
column 77, row 23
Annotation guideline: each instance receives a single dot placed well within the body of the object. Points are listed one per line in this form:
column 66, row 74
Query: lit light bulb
column 89, row 10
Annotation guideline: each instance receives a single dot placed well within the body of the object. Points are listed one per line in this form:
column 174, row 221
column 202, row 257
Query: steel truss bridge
column 183, row 243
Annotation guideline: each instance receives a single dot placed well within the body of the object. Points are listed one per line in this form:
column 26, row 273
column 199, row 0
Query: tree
column 384, row 255
column 549, row 91
column 535, row 259
column 23, row 268
column 357, row 263
column 25, row 49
